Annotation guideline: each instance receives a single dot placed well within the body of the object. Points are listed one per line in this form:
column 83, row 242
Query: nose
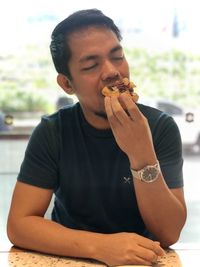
column 109, row 72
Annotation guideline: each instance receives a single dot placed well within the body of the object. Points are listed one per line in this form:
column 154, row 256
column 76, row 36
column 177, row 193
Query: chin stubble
column 101, row 114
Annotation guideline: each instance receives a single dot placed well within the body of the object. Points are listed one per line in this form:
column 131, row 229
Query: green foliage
column 19, row 100
column 28, row 78
column 171, row 74
column 24, row 77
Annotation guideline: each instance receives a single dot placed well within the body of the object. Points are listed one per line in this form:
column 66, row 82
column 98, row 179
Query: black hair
column 60, row 50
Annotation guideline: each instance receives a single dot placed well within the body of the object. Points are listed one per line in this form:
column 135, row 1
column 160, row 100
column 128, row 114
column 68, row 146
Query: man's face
column 97, row 60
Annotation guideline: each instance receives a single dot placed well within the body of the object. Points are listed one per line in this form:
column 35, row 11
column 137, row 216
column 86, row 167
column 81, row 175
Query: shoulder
column 149, row 111
column 56, row 119
column 50, row 126
column 154, row 115
column 160, row 123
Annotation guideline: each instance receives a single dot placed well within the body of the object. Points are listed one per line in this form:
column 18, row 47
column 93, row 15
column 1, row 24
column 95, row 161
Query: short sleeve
column 168, row 146
column 40, row 163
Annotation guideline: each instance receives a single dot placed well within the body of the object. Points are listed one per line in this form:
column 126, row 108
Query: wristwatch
column 148, row 174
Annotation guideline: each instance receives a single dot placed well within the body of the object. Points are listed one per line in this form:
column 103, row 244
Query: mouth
column 114, row 83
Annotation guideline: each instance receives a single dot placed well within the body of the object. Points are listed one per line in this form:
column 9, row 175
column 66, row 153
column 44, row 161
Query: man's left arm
column 162, row 209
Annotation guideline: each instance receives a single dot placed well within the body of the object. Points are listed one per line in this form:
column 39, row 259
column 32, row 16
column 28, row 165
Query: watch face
column 149, row 174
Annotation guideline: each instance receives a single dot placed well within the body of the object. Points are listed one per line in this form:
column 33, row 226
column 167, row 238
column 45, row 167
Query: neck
column 98, row 120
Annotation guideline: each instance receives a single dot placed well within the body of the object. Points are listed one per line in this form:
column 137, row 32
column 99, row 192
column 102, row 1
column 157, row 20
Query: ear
column 65, row 84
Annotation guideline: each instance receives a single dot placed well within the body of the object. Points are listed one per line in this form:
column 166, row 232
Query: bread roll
column 123, row 86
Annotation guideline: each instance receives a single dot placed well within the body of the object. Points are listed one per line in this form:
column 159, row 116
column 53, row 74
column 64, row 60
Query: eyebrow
column 93, row 57
column 116, row 48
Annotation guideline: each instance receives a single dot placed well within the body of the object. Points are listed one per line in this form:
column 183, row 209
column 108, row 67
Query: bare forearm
column 37, row 233
column 162, row 212
column 42, row 235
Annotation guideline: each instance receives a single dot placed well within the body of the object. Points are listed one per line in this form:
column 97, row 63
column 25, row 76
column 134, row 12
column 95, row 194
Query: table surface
column 14, row 257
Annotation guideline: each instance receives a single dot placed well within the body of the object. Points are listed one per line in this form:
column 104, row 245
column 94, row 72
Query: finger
column 158, row 249
column 110, row 115
column 108, row 107
column 147, row 254
column 131, row 107
column 118, row 111
column 151, row 245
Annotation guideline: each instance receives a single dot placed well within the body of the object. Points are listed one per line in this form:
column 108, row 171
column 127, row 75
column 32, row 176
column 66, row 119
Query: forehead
column 92, row 40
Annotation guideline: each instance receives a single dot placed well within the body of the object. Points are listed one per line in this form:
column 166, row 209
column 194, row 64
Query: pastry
column 120, row 87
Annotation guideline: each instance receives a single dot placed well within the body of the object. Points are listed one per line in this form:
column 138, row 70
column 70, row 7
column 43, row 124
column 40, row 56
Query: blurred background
column 162, row 46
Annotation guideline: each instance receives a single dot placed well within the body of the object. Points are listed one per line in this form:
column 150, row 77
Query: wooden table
column 182, row 256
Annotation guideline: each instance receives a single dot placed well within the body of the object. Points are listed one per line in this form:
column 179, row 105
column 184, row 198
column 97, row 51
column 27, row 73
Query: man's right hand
column 129, row 248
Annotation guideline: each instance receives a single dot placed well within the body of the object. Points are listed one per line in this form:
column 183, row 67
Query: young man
column 89, row 155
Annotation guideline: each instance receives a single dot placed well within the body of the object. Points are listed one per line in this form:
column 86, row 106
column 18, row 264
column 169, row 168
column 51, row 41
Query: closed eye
column 90, row 67
column 118, row 58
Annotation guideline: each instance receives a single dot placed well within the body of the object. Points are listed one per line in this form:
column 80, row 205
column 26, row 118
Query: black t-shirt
column 90, row 174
